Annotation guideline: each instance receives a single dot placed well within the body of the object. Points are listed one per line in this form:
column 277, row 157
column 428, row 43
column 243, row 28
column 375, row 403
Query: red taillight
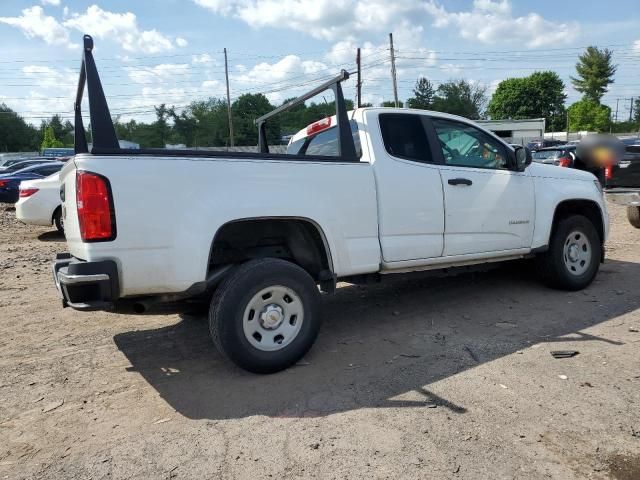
column 95, row 207
column 608, row 172
column 319, row 126
column 564, row 162
column 27, row 192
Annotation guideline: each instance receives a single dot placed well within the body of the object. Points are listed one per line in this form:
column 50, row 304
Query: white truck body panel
column 168, row 211
column 382, row 214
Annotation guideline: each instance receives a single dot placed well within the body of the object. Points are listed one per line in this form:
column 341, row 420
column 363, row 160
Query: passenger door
column 409, row 189
column 488, row 207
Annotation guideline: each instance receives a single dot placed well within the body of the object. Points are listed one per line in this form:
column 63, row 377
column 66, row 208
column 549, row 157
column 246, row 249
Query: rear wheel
column 265, row 315
column 58, row 220
column 573, row 258
column 633, row 214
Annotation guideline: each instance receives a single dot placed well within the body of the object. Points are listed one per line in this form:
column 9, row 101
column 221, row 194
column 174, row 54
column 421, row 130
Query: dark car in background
column 18, row 164
column 561, row 155
column 10, row 182
column 623, row 181
column 535, row 145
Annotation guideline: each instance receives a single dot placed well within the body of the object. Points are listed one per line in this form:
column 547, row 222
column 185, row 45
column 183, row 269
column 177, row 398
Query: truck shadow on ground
column 52, row 236
column 382, row 345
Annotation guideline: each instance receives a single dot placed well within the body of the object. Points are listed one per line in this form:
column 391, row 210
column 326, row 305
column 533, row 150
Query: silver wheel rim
column 577, row 253
column 273, row 318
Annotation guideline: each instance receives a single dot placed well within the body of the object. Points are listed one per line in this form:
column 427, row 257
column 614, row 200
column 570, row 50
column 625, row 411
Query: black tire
column 552, row 265
column 232, row 298
column 58, row 221
column 633, row 214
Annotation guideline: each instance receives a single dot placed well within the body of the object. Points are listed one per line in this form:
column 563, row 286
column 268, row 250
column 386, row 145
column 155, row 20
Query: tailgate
column 70, row 209
column 627, row 173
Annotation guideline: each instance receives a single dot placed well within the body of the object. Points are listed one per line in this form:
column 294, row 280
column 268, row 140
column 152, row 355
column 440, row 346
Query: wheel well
column 297, row 240
column 587, row 208
column 53, row 215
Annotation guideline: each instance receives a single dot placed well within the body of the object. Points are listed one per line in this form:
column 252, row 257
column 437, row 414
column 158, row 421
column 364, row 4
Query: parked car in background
column 623, row 181
column 39, row 202
column 561, row 155
column 10, row 182
column 535, row 145
column 16, row 164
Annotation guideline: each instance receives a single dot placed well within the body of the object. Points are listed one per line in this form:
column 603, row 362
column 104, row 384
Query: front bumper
column 86, row 285
column 623, row 196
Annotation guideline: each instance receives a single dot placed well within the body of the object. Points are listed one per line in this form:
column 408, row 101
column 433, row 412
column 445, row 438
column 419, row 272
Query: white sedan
column 39, row 202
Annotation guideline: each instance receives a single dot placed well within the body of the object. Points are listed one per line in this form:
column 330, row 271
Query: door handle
column 459, row 181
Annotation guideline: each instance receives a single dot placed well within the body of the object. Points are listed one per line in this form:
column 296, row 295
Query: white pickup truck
column 357, row 197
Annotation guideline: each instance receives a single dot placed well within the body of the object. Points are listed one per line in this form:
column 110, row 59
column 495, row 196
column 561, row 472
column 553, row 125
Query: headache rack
column 105, row 140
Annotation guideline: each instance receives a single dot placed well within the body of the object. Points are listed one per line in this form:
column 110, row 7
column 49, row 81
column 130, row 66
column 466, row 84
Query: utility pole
column 617, row 101
column 631, row 110
column 359, row 84
column 567, row 125
column 393, row 70
column 226, row 76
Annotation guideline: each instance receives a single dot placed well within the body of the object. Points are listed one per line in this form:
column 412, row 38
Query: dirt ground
column 432, row 378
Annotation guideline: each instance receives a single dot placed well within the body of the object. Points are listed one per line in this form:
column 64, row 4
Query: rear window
column 404, row 136
column 324, row 143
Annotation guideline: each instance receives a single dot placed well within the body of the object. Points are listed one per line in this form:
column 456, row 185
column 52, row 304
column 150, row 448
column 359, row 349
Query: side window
column 404, row 136
column 324, row 143
column 465, row 146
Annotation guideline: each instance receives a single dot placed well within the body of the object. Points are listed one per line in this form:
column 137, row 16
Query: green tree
column 595, row 71
column 460, row 97
column 423, row 93
column 392, row 103
column 15, row 134
column 541, row 94
column 589, row 115
column 245, row 110
column 49, row 139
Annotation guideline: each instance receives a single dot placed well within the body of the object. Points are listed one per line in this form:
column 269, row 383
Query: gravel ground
column 432, row 378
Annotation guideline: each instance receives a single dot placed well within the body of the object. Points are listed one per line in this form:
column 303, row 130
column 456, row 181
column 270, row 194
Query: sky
column 171, row 51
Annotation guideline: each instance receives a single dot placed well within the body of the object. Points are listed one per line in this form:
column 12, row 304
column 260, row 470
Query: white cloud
column 213, row 86
column 267, row 77
column 55, row 3
column 488, row 20
column 35, row 24
column 181, row 42
column 636, row 46
column 203, row 58
column 324, row 19
column 55, row 93
column 493, row 21
column 122, row 27
column 165, row 72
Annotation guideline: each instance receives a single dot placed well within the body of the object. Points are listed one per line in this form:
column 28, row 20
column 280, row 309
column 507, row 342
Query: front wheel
column 573, row 258
column 633, row 214
column 265, row 315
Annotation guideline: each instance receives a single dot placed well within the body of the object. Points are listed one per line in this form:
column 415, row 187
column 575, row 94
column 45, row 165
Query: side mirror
column 522, row 158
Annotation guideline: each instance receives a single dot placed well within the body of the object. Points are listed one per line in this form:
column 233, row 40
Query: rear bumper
column 86, row 286
column 623, row 196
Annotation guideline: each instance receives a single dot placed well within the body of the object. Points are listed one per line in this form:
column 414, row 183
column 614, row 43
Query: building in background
column 516, row 131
